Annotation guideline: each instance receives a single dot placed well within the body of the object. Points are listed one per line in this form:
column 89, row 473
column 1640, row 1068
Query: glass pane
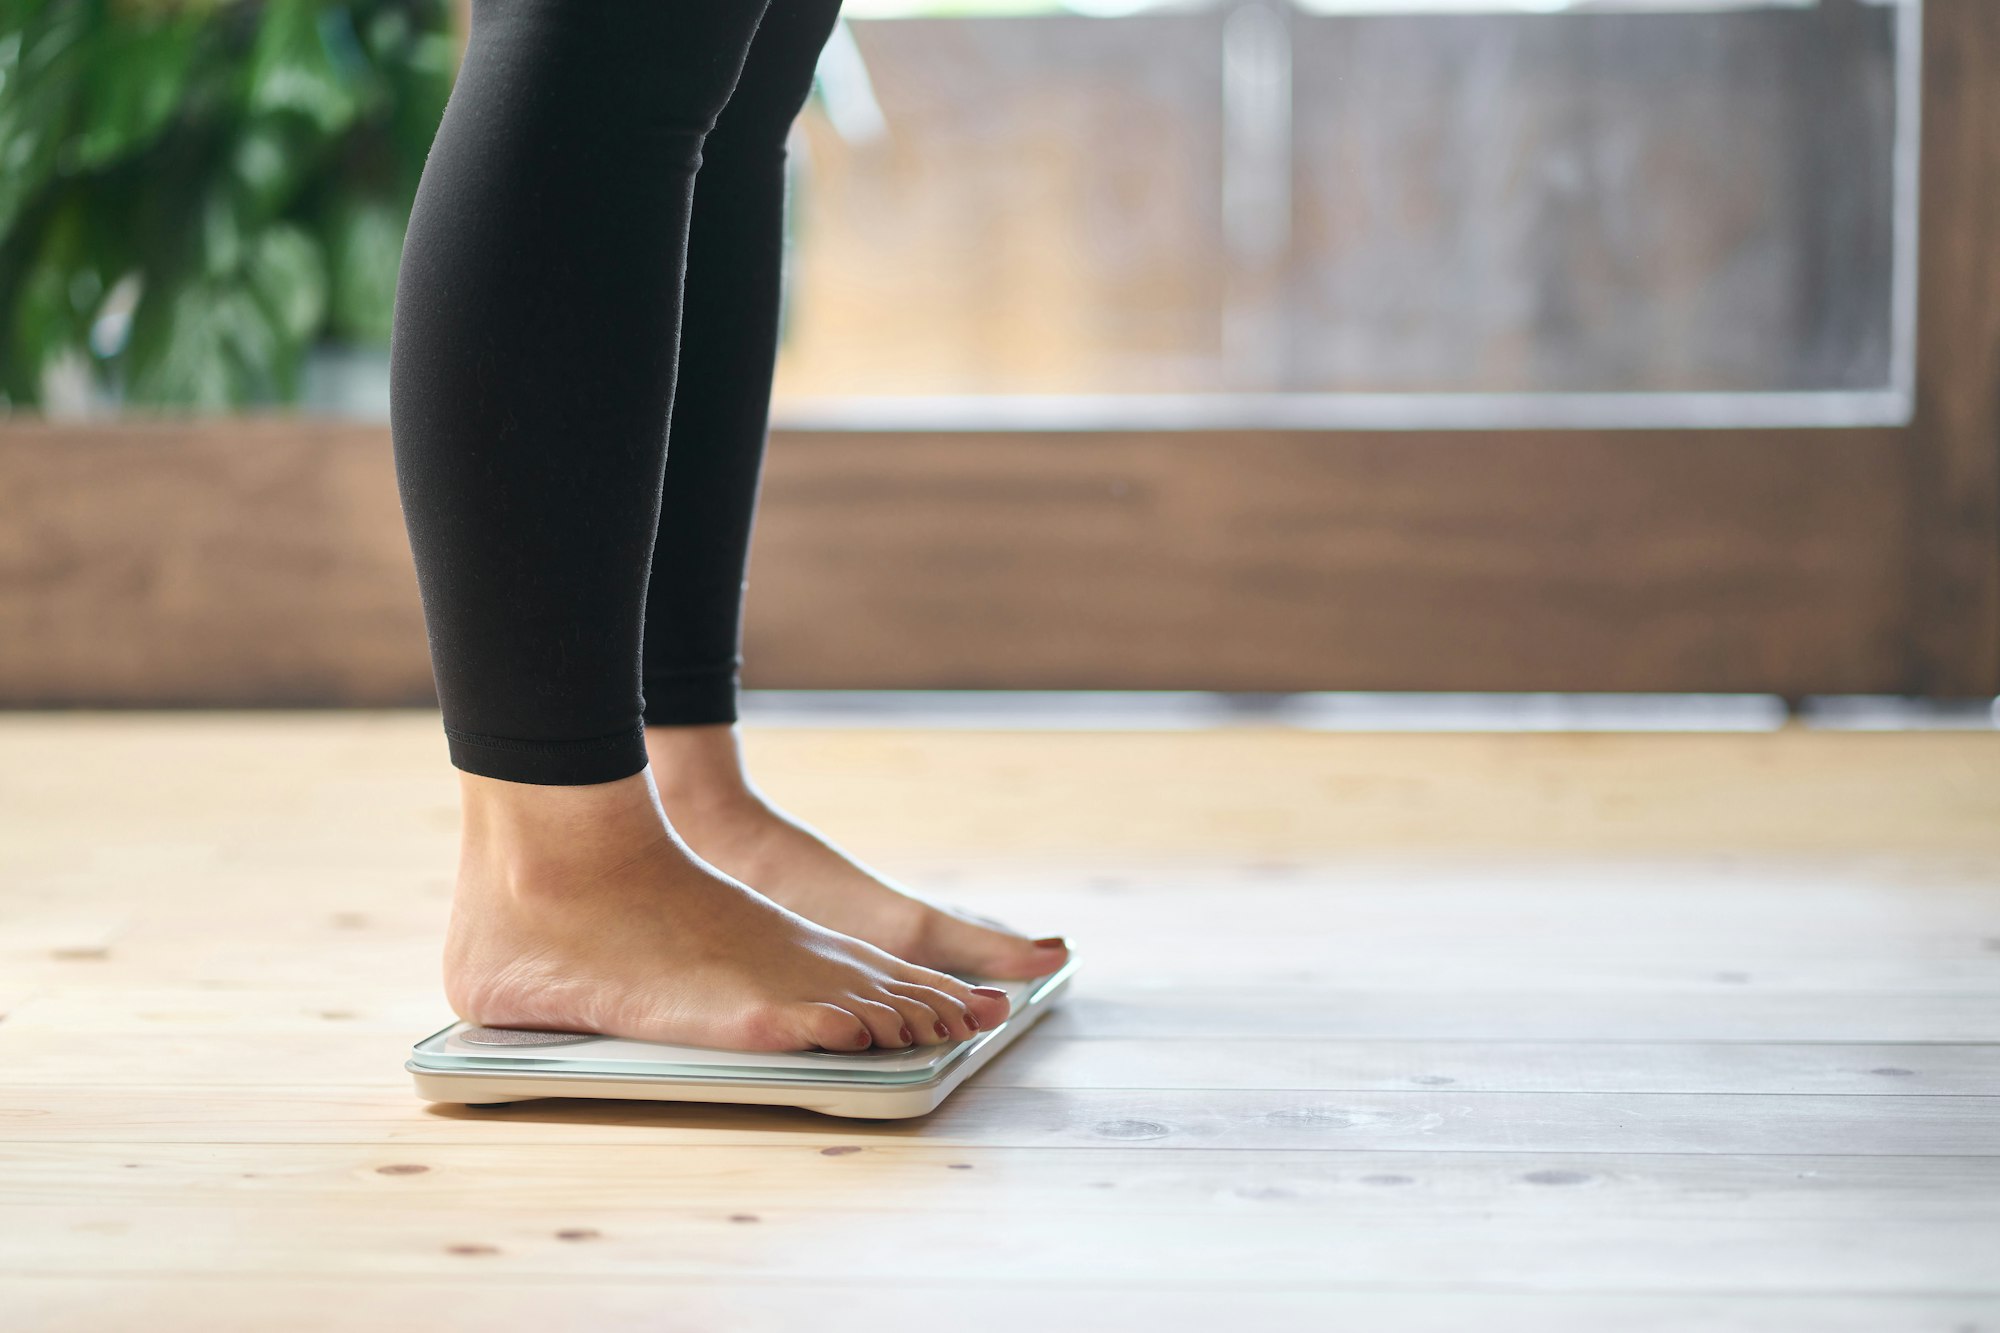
column 1402, row 212
column 1039, row 211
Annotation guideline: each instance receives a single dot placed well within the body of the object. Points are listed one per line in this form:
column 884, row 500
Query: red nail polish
column 1052, row 942
column 989, row 991
column 942, row 1030
column 972, row 1022
column 907, row 1036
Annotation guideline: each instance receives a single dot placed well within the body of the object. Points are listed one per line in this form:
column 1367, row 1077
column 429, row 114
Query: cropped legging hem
column 549, row 763
column 705, row 697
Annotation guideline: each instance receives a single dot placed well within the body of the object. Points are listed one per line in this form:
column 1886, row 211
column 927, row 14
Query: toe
column 832, row 1028
column 920, row 1011
column 952, row 1019
column 989, row 1006
column 971, row 1008
column 888, row 1026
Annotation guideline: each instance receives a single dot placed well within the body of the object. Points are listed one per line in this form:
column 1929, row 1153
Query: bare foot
column 729, row 824
column 578, row 909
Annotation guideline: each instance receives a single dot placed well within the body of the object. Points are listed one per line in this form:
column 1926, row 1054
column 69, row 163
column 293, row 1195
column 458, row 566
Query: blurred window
column 1357, row 213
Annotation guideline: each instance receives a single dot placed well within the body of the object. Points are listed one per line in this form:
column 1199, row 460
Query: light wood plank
column 1228, row 1248
column 500, row 1302
column 1056, row 1118
column 904, row 1177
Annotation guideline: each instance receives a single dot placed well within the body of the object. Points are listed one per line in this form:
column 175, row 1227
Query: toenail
column 942, row 1030
column 990, row 991
column 972, row 1022
column 906, row 1035
column 1052, row 942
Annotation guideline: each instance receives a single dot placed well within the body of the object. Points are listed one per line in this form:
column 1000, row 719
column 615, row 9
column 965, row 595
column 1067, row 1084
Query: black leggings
column 564, row 265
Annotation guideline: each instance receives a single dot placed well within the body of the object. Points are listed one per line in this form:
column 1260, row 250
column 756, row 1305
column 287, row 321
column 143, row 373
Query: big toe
column 833, row 1028
column 965, row 947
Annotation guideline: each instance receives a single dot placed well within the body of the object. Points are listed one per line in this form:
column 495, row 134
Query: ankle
column 699, row 773
column 520, row 836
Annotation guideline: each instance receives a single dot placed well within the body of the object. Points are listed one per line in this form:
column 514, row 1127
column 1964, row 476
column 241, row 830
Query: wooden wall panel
column 263, row 560
column 247, row 560
column 1450, row 561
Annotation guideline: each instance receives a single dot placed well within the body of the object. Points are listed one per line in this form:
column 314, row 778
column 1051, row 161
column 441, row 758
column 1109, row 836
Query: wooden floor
column 1420, row 1032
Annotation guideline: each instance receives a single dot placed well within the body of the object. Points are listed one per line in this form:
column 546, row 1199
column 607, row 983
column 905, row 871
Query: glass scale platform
column 478, row 1066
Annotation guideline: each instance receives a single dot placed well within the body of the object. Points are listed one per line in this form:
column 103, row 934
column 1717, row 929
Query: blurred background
column 1275, row 348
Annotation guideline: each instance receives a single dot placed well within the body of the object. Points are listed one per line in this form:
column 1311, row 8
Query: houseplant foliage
column 192, row 192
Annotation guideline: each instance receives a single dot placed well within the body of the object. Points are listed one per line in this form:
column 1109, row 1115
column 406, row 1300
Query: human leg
column 532, row 368
column 693, row 637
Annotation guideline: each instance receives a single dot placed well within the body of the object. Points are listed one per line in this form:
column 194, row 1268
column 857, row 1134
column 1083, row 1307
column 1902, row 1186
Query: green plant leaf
column 291, row 68
column 287, row 275
column 262, row 363
column 248, row 162
column 43, row 53
column 270, row 162
column 365, row 251
column 137, row 74
column 178, row 355
column 222, row 240
column 40, row 329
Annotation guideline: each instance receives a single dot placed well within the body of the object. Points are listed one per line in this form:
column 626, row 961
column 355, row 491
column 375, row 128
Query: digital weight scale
column 480, row 1066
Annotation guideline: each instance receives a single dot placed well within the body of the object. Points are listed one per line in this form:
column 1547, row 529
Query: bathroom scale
column 481, row 1066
